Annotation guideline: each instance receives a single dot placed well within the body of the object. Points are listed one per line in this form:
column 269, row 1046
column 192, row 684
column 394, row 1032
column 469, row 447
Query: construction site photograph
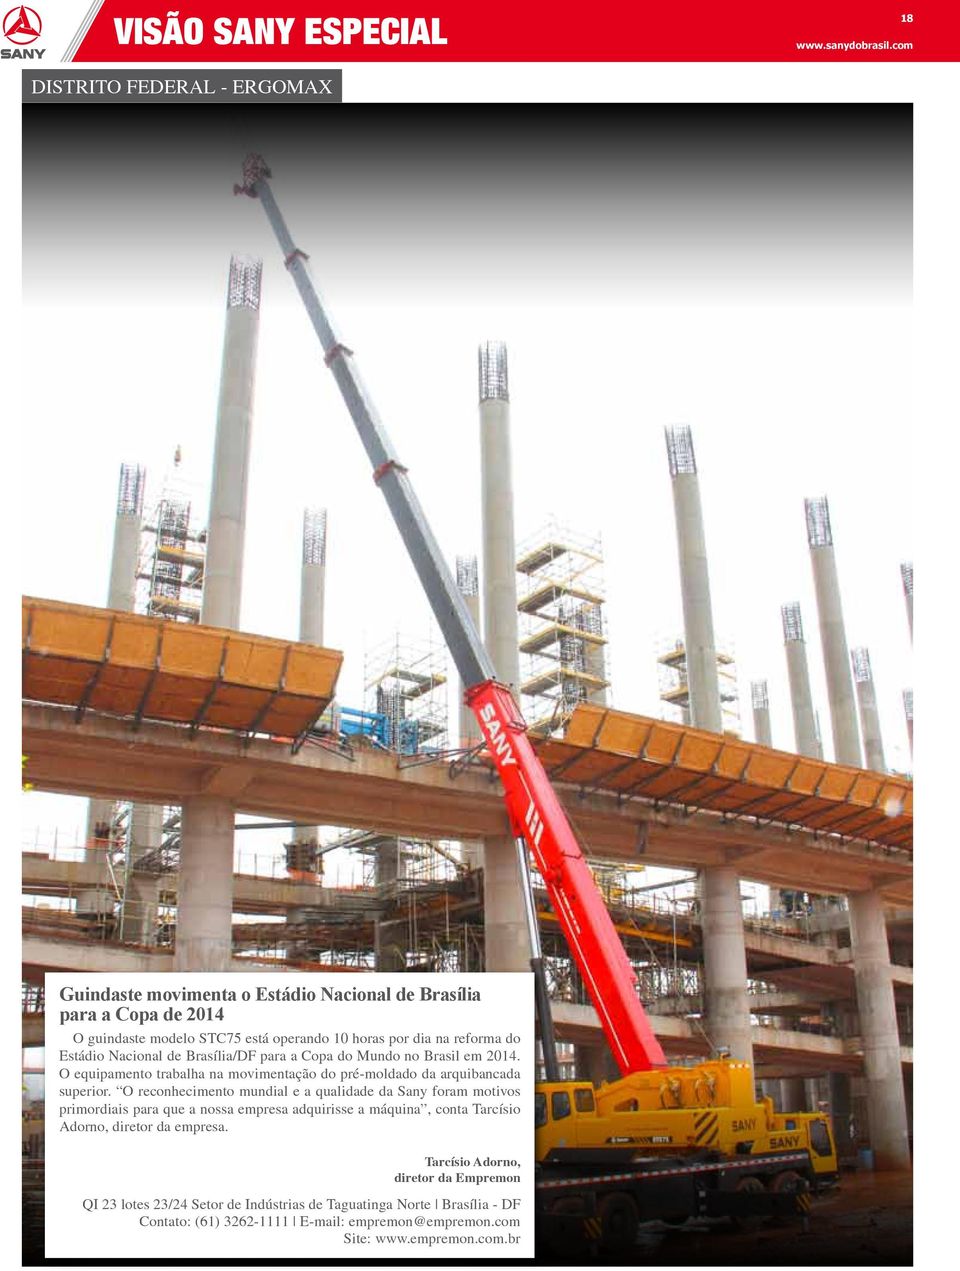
column 476, row 540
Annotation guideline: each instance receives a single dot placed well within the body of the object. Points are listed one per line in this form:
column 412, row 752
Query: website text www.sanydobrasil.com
column 850, row 46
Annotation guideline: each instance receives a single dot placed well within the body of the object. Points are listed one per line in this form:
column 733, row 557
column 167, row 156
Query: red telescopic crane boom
column 536, row 815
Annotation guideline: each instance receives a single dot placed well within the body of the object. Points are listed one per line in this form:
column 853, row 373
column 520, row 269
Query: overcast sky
column 742, row 270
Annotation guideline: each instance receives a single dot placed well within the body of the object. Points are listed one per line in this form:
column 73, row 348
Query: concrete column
column 313, row 571
column 886, row 1103
column 770, row 1089
column 596, row 1064
column 223, row 569
column 506, row 943
column 760, row 701
column 763, row 736
column 595, row 663
column 205, row 890
column 121, row 594
column 505, row 932
column 793, row 1095
column 805, row 732
column 869, row 715
column 906, row 577
column 499, row 548
column 122, row 590
column 138, row 921
column 812, row 1087
column 841, row 1111
column 833, row 638
column 726, row 1010
column 468, row 584
column 391, row 937
column 701, row 649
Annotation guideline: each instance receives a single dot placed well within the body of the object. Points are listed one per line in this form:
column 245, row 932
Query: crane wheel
column 788, row 1181
column 565, row 1229
column 747, row 1222
column 618, row 1223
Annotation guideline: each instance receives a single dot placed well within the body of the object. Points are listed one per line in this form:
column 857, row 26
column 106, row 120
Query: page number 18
column 906, row 17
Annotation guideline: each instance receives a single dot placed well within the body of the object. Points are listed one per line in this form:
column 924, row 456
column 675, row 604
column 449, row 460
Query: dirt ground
column 866, row 1222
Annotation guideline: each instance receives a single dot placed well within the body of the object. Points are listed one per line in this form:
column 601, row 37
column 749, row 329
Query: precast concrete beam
column 158, row 763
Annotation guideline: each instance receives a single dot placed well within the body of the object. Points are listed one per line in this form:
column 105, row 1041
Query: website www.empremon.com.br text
column 849, row 46
column 432, row 1241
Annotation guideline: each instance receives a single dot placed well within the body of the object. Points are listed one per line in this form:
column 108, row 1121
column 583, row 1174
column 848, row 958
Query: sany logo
column 499, row 743
column 22, row 25
column 502, row 751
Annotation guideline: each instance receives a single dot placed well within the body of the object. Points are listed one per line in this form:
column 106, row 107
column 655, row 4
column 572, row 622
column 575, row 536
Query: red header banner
column 302, row 31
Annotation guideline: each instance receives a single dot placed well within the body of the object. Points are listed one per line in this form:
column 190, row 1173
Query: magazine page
column 467, row 541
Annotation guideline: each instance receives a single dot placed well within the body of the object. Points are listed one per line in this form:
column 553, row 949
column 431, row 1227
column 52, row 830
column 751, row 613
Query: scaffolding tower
column 675, row 684
column 169, row 585
column 562, row 625
column 172, row 554
column 405, row 682
column 172, row 557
